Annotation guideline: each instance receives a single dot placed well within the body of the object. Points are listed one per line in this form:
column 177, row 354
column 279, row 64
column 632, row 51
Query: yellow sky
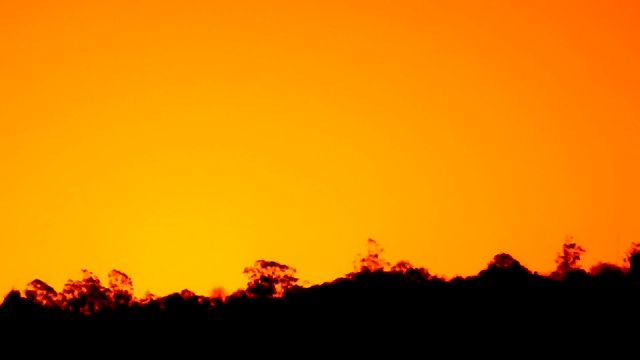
column 179, row 142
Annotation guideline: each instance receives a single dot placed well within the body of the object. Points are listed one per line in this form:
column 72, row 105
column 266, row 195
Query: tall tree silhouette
column 568, row 260
column 374, row 260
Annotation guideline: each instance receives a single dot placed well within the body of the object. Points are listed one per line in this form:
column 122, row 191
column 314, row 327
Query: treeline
column 378, row 298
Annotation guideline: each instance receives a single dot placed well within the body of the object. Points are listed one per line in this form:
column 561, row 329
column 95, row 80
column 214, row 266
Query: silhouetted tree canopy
column 603, row 268
column 376, row 302
column 41, row 293
column 504, row 261
column 121, row 288
column 633, row 259
column 374, row 260
column 270, row 279
column 568, row 260
column 87, row 296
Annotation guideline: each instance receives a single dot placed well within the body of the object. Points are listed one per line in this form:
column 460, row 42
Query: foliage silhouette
column 395, row 307
column 39, row 292
column 568, row 260
column 87, row 296
column 270, row 279
column 121, row 288
column 374, row 260
column 633, row 259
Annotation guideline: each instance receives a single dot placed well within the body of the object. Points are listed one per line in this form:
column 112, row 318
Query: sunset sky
column 180, row 141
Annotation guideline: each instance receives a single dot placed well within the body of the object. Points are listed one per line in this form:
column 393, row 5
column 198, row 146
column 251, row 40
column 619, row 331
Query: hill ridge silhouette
column 400, row 305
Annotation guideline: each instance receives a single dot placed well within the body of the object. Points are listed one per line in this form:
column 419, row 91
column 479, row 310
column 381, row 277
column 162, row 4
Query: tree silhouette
column 401, row 266
column 270, row 279
column 633, row 259
column 568, row 260
column 148, row 298
column 503, row 261
column 603, row 268
column 13, row 300
column 503, row 269
column 121, row 288
column 374, row 260
column 383, row 304
column 87, row 296
column 410, row 273
column 39, row 292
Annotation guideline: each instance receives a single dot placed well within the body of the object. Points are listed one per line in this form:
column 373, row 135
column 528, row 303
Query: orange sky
column 180, row 141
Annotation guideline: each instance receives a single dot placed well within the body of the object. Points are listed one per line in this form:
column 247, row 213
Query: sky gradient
column 179, row 142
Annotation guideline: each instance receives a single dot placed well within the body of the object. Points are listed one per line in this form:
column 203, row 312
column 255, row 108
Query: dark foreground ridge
column 377, row 309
